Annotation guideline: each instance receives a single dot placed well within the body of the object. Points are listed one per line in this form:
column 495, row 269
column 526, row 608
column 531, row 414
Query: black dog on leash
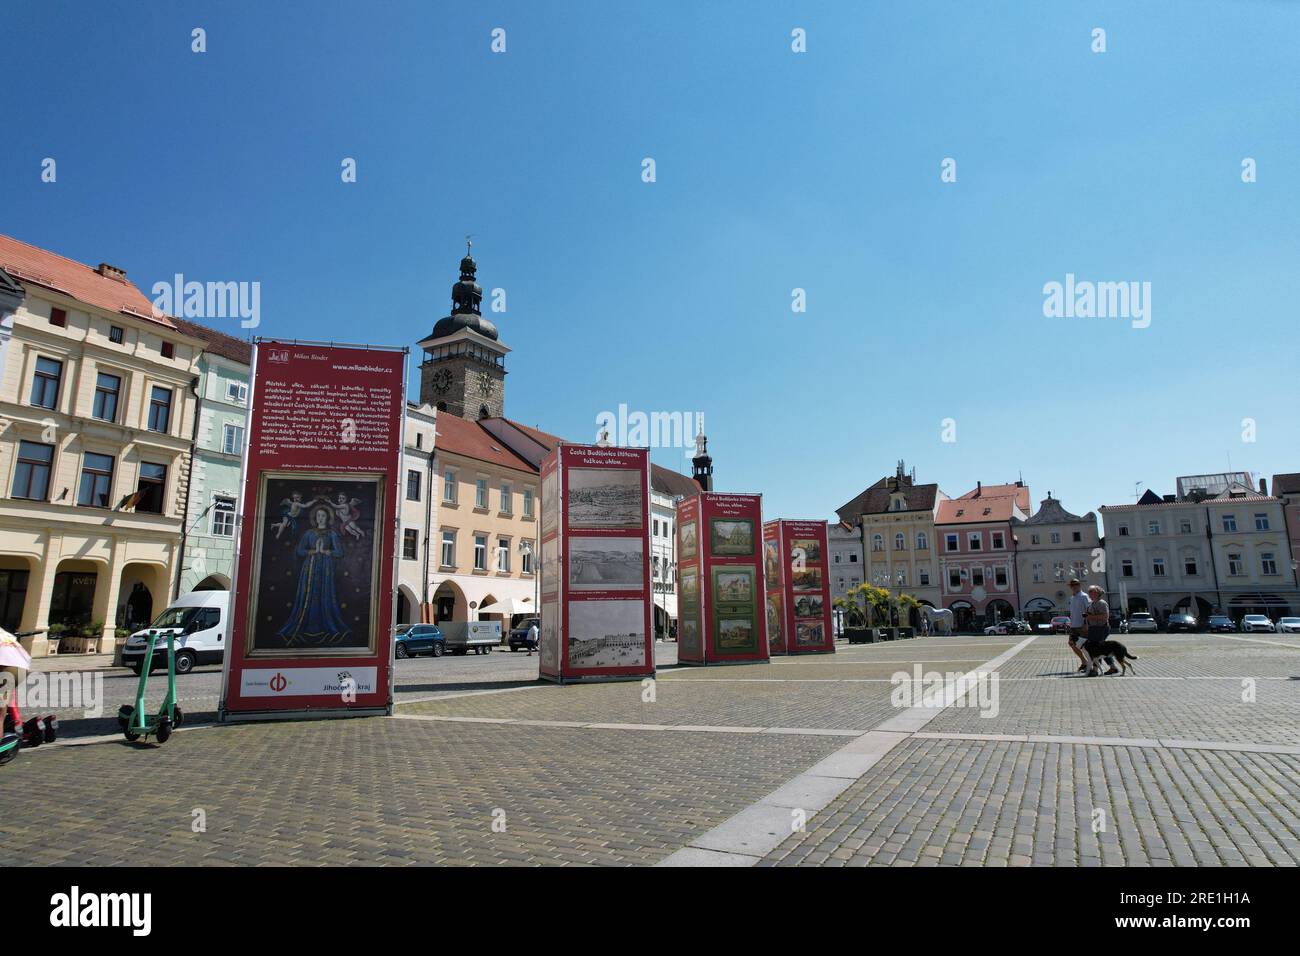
column 1096, row 650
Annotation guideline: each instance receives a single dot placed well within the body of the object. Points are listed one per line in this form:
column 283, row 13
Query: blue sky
column 775, row 171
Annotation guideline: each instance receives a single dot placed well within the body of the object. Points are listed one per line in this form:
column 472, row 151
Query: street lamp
column 535, row 565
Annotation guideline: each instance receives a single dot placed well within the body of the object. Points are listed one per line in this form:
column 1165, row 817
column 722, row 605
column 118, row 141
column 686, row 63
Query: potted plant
column 54, row 637
column 910, row 606
column 855, row 620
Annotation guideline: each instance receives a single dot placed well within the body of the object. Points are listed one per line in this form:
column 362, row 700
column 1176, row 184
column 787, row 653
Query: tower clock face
column 485, row 383
column 442, row 380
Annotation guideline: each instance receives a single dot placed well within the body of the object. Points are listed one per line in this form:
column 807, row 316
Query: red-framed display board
column 719, row 580
column 595, row 565
column 797, row 582
column 311, row 608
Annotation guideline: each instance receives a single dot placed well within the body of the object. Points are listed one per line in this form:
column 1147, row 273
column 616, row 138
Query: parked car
column 419, row 639
column 519, row 635
column 1220, row 623
column 1061, row 624
column 1252, row 623
column 1289, row 625
column 200, row 621
column 1002, row 627
column 1180, row 622
column 1142, row 621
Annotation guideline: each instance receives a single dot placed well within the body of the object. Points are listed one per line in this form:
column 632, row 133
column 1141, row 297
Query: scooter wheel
column 178, row 717
column 51, row 728
column 164, row 731
column 9, row 751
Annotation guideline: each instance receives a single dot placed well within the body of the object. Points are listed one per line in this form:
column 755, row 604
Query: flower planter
column 859, row 635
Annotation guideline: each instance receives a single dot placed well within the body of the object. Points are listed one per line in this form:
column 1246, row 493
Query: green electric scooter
column 135, row 721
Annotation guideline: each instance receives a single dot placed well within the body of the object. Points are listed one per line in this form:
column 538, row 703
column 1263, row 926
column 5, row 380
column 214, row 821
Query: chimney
column 979, row 488
column 111, row 272
column 1263, row 486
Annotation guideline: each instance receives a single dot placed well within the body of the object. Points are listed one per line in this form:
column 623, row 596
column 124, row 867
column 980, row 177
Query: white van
column 201, row 620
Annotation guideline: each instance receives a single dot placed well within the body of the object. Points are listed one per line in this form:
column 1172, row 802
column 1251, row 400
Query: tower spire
column 702, row 470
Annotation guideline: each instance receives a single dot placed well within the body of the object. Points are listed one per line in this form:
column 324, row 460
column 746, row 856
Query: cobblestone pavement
column 720, row 767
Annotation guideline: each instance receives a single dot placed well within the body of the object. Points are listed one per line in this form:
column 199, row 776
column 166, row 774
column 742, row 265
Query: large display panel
column 595, row 573
column 797, row 581
column 720, row 580
column 312, row 597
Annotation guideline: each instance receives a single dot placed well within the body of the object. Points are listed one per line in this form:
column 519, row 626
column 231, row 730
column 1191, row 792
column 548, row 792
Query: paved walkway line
column 1158, row 743
column 1257, row 640
column 657, row 728
column 452, row 695
column 751, row 834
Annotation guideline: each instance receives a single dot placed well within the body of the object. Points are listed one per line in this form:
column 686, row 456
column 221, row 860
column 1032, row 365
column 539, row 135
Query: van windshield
column 175, row 617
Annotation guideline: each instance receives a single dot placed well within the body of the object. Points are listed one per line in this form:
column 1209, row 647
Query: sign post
column 311, row 607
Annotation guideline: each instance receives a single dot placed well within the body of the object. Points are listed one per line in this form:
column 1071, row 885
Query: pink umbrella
column 12, row 653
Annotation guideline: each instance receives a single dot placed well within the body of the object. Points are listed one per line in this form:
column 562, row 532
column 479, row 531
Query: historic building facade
column 977, row 565
column 97, row 402
column 1052, row 546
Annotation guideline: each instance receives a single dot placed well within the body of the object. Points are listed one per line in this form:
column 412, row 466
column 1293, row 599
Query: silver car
column 1289, row 625
column 1141, row 621
column 1257, row 622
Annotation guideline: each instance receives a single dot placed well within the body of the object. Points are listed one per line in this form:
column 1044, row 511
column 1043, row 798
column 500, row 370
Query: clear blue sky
column 774, row 170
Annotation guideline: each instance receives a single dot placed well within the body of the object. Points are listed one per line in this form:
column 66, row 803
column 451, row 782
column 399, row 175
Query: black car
column 419, row 639
column 1180, row 622
column 1221, row 623
column 519, row 635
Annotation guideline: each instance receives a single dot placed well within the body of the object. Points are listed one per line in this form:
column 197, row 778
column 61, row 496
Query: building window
column 449, row 549
column 449, row 487
column 232, row 439
column 950, row 542
column 1189, row 565
column 923, row 577
column 237, row 392
column 223, row 516
column 45, row 383
column 1058, row 570
column 1037, row 573
column 528, row 506
column 526, row 558
column 116, row 335
column 1267, row 562
column 877, row 543
column 902, row 577
column 1033, row 539
column 149, row 491
column 1261, row 522
column 922, row 541
column 96, row 480
column 656, row 526
column 1000, row 577
column 59, row 317
column 954, row 578
column 32, row 473
column 107, row 388
column 503, row 554
column 900, row 542
column 481, row 493
column 1185, row 526
column 168, row 350
column 977, row 577
column 853, row 559
column 410, row 543
column 1076, row 536
column 999, row 542
column 974, row 542
column 1123, row 531
column 506, row 503
column 1158, row 567
column 412, row 485
column 1235, row 565
column 1126, row 567
column 480, row 552
column 160, row 409
column 1229, row 522
column 1153, row 527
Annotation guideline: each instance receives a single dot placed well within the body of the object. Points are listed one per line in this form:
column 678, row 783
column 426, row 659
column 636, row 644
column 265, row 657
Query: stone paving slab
column 381, row 791
column 1001, row 803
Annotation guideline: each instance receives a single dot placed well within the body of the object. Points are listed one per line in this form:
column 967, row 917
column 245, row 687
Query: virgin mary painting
column 315, row 617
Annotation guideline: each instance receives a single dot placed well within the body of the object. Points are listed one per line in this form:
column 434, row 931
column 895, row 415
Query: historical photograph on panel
column 807, row 633
column 606, row 564
column 807, row 550
column 771, row 565
column 809, row 605
column 315, row 565
column 735, row 633
column 606, row 634
column 690, row 540
column 690, row 586
column 733, row 586
column 775, row 639
column 689, row 637
column 550, row 501
column 605, row 498
column 550, row 565
column 731, row 536
column 549, row 639
column 809, row 579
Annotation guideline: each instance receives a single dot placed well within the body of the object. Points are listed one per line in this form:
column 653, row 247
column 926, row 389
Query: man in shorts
column 1078, row 629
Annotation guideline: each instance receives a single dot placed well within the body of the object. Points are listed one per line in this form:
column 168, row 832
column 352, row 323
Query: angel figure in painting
column 347, row 512
column 291, row 510
column 316, row 617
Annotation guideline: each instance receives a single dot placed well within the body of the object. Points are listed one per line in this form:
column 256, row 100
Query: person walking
column 1078, row 627
column 1097, row 616
column 532, row 638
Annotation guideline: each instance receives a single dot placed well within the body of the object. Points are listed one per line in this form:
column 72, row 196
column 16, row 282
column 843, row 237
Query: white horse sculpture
column 940, row 619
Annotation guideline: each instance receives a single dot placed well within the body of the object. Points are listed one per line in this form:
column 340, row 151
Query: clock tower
column 464, row 367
